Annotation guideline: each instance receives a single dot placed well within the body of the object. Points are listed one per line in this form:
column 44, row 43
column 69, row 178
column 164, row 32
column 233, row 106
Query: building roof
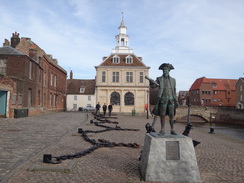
column 217, row 84
column 241, row 79
column 122, row 50
column 74, row 85
column 27, row 44
column 196, row 85
column 223, row 84
column 9, row 50
column 136, row 61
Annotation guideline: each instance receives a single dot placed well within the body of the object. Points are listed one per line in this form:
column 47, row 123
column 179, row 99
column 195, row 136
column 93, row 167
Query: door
column 3, row 102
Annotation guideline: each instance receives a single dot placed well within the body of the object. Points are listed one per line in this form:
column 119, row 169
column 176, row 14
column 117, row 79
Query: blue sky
column 199, row 37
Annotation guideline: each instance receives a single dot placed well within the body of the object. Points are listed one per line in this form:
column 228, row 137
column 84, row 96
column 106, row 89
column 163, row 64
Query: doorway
column 3, row 103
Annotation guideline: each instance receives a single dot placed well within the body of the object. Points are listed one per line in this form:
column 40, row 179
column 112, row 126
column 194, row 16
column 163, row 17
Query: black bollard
column 80, row 130
column 47, row 158
column 211, row 130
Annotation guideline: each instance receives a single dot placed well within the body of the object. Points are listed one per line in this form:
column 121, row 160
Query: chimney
column 50, row 56
column 55, row 61
column 6, row 42
column 71, row 75
column 15, row 39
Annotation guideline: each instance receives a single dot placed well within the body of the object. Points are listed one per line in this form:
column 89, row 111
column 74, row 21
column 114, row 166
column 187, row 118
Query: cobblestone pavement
column 220, row 157
column 23, row 138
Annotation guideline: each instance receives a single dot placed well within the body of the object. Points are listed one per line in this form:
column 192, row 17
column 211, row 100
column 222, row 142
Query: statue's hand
column 152, row 85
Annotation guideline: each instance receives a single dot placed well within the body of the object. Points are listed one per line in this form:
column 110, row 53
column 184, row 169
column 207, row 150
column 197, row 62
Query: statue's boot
column 173, row 132
column 161, row 133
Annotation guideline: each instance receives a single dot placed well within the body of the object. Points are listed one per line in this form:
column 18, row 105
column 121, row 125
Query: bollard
column 133, row 112
column 80, row 130
column 47, row 158
column 211, row 130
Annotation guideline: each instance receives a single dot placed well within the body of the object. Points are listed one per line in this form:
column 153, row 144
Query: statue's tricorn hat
column 170, row 66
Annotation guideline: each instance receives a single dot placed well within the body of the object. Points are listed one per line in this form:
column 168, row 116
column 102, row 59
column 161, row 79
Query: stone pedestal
column 169, row 158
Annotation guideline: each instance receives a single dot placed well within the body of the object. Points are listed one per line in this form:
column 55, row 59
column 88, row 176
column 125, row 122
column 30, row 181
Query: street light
column 147, row 105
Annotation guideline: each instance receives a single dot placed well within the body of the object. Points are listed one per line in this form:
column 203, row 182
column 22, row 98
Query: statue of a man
column 167, row 100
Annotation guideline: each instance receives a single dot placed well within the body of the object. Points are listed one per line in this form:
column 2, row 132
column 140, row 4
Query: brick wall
column 54, row 87
column 28, row 83
column 28, row 88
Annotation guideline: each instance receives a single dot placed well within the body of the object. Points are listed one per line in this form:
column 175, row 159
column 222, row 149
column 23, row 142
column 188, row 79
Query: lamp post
column 147, row 105
column 189, row 108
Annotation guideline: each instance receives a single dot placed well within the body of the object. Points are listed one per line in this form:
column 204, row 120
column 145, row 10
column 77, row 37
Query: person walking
column 110, row 108
column 104, row 109
column 98, row 108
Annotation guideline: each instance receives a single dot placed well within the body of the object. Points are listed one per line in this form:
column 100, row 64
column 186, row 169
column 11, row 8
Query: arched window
column 115, row 98
column 122, row 42
column 129, row 98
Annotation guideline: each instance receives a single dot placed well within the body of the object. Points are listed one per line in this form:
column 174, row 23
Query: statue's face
column 166, row 71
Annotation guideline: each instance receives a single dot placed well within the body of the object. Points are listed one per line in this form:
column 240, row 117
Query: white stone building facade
column 120, row 78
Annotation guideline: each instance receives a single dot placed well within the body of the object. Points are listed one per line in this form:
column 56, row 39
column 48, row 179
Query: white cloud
column 200, row 38
column 83, row 9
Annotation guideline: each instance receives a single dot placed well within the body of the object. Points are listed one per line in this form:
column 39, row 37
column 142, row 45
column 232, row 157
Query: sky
column 198, row 37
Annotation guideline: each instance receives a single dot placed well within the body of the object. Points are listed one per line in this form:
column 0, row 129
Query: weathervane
column 122, row 15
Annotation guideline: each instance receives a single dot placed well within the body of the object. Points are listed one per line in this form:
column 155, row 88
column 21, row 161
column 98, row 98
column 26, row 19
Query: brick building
column 213, row 92
column 29, row 79
column 240, row 93
column 183, row 97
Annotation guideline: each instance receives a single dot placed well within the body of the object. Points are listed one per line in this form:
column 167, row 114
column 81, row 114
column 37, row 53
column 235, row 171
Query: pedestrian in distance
column 110, row 108
column 104, row 109
column 98, row 108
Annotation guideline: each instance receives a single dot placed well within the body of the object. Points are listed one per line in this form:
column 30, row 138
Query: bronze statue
column 167, row 101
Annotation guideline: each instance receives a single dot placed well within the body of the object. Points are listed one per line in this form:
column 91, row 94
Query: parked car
column 88, row 109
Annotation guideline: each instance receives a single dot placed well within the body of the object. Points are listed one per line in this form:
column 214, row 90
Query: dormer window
column 214, row 85
column 82, row 89
column 116, row 59
column 129, row 59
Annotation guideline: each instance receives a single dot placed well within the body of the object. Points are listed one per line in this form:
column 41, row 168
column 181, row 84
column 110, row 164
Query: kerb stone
column 169, row 158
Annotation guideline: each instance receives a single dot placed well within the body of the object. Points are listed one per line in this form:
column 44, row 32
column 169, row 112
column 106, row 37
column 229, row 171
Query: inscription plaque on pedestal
column 172, row 150
column 170, row 158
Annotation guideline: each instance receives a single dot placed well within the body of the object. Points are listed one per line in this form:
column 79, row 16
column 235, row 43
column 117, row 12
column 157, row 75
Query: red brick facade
column 54, row 85
column 31, row 78
column 213, row 92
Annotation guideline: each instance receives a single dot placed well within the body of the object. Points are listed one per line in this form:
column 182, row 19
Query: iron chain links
column 95, row 144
